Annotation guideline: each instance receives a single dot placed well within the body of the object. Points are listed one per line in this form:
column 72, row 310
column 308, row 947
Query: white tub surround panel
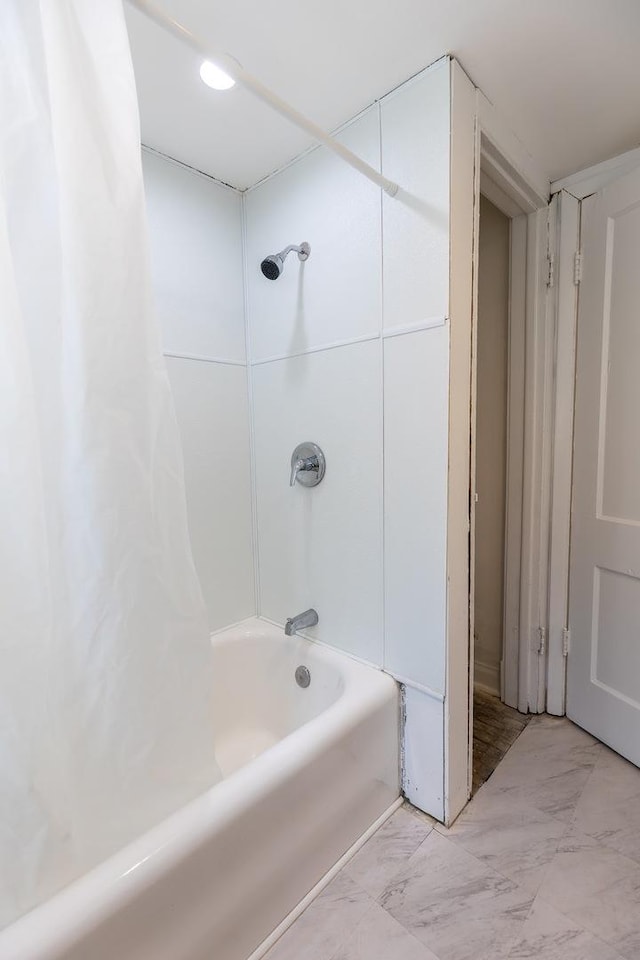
column 336, row 295
column 306, row 774
column 327, row 546
column 415, row 153
column 415, row 143
column 195, row 228
column 322, row 546
column 213, row 416
column 416, row 384
column 422, row 751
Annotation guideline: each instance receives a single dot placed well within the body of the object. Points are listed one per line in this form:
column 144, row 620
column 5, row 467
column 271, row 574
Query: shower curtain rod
column 235, row 70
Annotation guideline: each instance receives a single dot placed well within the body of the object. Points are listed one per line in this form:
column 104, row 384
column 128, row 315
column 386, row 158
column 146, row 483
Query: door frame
column 481, row 141
column 529, row 409
column 564, row 248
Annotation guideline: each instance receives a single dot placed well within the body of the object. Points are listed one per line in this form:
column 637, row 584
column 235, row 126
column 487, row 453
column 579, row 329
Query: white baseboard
column 486, row 677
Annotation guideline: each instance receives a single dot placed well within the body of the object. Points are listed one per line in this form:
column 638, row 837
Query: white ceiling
column 565, row 74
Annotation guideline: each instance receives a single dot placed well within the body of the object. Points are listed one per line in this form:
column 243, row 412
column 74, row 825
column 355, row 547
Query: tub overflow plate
column 303, row 677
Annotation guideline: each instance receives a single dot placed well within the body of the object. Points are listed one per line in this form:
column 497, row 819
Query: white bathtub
column 307, row 771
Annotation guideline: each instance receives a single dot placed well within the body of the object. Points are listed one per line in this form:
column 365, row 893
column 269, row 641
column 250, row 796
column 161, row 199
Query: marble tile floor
column 543, row 863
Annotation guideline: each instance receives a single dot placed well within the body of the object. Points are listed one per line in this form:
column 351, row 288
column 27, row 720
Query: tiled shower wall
column 195, row 227
column 349, row 350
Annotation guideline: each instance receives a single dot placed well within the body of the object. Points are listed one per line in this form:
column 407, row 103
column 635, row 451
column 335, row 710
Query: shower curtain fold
column 105, row 722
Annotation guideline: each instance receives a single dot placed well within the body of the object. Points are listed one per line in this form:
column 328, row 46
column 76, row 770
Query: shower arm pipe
column 237, row 72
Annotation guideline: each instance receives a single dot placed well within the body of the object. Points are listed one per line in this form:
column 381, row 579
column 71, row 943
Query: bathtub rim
column 81, row 906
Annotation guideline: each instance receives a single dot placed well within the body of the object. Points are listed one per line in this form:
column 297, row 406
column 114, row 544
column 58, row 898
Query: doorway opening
column 497, row 507
column 493, row 163
column 492, row 344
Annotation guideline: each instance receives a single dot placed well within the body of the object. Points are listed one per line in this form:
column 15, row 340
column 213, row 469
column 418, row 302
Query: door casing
column 521, row 192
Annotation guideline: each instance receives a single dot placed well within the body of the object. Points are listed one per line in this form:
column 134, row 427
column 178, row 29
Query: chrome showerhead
column 273, row 265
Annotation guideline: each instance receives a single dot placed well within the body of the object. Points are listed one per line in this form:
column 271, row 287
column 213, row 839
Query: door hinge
column 542, row 640
column 566, row 640
column 550, row 270
column 577, row 267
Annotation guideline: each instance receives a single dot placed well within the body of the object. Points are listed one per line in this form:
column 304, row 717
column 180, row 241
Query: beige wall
column 493, row 320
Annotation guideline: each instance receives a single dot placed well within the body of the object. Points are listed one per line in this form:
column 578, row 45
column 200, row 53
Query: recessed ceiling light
column 215, row 77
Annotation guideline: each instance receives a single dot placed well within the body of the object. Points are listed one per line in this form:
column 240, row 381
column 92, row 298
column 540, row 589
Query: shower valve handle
column 307, row 465
column 302, row 465
column 296, row 466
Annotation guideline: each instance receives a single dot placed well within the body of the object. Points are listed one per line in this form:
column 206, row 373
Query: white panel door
column 603, row 673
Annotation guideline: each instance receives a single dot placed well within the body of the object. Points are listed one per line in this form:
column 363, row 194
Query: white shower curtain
column 105, row 725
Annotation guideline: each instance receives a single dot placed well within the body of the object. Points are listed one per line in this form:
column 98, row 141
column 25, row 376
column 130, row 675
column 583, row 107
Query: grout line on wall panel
column 381, row 223
column 414, row 685
column 313, row 147
column 429, row 324
column 319, row 349
column 202, row 359
column 382, row 358
column 399, row 678
column 187, row 166
column 438, row 64
column 255, row 537
column 323, row 643
column 230, row 626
